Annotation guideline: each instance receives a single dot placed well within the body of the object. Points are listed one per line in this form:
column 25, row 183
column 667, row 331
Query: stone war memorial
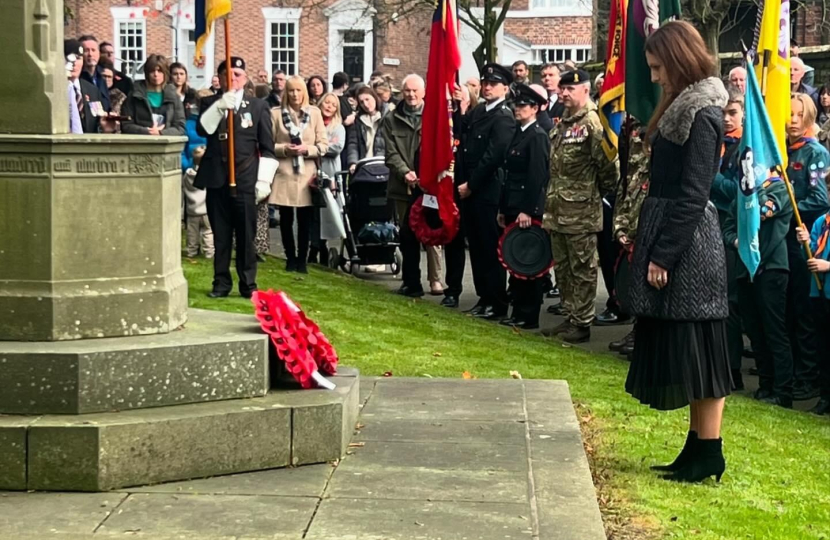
column 107, row 380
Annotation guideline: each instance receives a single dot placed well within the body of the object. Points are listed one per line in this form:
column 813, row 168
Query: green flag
column 644, row 17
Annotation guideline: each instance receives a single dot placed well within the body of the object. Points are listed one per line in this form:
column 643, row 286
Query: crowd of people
column 662, row 217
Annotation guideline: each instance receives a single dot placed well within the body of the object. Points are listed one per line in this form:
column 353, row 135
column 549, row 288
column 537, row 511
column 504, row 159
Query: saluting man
column 580, row 174
column 527, row 169
column 485, row 135
column 234, row 211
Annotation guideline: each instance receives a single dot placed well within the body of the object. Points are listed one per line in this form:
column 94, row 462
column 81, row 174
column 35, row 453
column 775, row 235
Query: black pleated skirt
column 676, row 362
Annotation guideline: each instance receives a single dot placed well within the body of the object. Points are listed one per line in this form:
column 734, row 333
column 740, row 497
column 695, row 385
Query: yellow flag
column 773, row 68
column 207, row 12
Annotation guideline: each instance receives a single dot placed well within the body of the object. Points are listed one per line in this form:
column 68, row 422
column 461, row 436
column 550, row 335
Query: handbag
column 319, row 182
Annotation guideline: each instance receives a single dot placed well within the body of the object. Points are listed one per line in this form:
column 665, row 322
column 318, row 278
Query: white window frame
column 129, row 15
column 539, row 50
column 560, row 8
column 276, row 15
column 343, row 16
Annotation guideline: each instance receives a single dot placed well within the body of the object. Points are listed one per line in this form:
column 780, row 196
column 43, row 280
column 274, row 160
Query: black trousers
column 821, row 311
column 800, row 317
column 526, row 294
column 410, row 247
column 231, row 216
column 483, row 233
column 455, row 257
column 318, row 249
column 609, row 251
column 305, row 214
column 763, row 306
column 734, row 327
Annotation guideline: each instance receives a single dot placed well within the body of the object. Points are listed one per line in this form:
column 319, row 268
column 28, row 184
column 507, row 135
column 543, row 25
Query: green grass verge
column 777, row 484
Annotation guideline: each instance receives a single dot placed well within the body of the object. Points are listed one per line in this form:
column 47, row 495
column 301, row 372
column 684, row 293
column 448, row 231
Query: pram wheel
column 396, row 266
column 353, row 268
column 334, row 258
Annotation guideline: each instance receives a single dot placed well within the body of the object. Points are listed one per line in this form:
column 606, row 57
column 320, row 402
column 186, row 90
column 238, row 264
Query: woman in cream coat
column 299, row 142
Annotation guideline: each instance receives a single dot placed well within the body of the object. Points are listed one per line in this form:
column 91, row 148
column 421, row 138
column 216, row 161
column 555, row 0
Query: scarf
column 296, row 133
column 800, row 143
column 822, row 238
column 732, row 137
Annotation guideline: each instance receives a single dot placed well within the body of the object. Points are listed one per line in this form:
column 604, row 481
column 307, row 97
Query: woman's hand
column 352, row 167
column 155, row 130
column 300, row 149
column 657, row 277
column 524, row 220
column 349, row 120
column 818, row 265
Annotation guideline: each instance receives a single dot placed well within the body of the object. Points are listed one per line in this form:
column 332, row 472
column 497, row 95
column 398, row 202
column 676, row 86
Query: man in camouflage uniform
column 580, row 173
column 630, row 196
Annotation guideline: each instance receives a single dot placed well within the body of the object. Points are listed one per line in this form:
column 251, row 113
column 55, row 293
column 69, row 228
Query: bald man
column 797, row 80
column 737, row 78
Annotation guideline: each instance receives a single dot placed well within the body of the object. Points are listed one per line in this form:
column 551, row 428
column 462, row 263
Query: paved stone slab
column 573, row 518
column 305, row 481
column 194, row 516
column 450, row 390
column 42, row 515
column 438, row 456
column 449, row 431
column 442, row 410
column 345, row 519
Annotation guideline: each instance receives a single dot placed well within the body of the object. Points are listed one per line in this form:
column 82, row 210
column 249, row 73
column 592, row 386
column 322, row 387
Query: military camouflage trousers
column 576, row 274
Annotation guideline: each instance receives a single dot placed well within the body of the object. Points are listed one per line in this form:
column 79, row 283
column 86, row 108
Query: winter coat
column 402, row 140
column 194, row 140
column 357, row 143
column 138, row 108
column 679, row 229
column 337, row 142
column 290, row 189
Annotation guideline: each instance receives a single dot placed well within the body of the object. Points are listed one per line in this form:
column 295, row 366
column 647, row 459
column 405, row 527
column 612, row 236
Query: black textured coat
column 485, row 136
column 527, row 172
column 678, row 227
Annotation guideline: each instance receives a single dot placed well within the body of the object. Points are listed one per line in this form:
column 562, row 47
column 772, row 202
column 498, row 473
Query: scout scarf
column 296, row 133
column 800, row 143
column 730, row 138
column 823, row 236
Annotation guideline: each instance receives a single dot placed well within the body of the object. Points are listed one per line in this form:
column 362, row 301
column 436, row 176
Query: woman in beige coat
column 299, row 142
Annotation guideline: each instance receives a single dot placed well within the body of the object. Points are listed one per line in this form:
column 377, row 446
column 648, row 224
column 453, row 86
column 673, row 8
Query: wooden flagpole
column 229, row 75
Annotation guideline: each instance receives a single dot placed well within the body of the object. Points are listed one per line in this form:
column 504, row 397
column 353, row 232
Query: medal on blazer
column 246, row 121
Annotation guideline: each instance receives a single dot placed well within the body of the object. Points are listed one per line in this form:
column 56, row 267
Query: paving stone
column 450, row 390
column 196, row 516
column 448, row 431
column 305, row 481
column 564, row 480
column 439, row 456
column 436, row 410
column 572, row 518
column 43, row 515
column 345, row 519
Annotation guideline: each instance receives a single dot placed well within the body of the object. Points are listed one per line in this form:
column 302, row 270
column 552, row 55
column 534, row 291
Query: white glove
column 229, row 100
column 211, row 118
column 263, row 190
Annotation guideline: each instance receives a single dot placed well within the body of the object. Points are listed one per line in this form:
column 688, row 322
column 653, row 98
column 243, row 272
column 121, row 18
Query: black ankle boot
column 707, row 461
column 682, row 458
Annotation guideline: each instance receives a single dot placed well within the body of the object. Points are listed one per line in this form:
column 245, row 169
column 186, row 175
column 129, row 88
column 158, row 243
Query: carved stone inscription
column 22, row 165
column 144, row 164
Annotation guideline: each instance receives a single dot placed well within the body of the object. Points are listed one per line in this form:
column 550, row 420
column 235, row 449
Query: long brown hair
column 683, row 54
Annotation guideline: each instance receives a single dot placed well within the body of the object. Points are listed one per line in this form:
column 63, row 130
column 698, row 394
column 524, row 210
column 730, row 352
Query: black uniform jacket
column 485, row 136
column 253, row 137
column 527, row 172
column 89, row 121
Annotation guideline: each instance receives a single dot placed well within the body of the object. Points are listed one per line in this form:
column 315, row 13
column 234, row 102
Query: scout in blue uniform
column 526, row 170
column 807, row 168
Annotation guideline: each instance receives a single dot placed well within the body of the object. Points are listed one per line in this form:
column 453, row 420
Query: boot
column 682, row 458
column 558, row 329
column 291, row 264
column 708, row 461
column 577, row 334
column 617, row 345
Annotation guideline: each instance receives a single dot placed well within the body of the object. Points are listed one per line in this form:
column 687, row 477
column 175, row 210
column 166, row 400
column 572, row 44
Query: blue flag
column 758, row 154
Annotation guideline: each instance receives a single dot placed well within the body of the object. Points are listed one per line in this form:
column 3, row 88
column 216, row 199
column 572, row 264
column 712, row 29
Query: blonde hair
column 298, row 82
column 810, row 112
column 337, row 119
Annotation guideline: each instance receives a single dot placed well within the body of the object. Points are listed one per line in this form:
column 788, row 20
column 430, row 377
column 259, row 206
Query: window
column 552, row 4
column 130, row 32
column 558, row 55
column 282, row 36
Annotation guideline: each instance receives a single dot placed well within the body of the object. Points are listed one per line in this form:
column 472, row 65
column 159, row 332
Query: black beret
column 72, row 46
column 496, row 73
column 525, row 95
column 574, row 76
column 236, row 62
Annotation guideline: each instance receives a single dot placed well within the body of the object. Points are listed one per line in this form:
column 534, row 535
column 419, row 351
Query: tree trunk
column 710, row 33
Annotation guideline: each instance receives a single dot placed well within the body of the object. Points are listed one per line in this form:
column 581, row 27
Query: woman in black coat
column 678, row 288
column 153, row 106
column 365, row 138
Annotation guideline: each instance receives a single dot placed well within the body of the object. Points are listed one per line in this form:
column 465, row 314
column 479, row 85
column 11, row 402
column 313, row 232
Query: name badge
column 246, row 121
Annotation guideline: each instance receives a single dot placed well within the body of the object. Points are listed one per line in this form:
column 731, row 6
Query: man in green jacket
column 402, row 135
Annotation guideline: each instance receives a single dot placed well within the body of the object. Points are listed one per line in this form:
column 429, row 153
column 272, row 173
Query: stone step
column 217, row 356
column 105, row 451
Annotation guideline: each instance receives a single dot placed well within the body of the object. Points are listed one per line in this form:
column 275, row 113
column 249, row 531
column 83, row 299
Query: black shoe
column 411, row 292
column 218, row 294
column 495, row 313
column 762, row 394
column 291, row 265
column 822, row 408
column 780, row 401
column 737, row 380
column 511, row 321
column 682, row 458
column 260, row 258
column 302, row 266
column 577, row 334
column 553, row 293
column 560, row 328
column 450, row 301
column 519, row 323
column 627, row 349
column 610, row 318
column 707, row 461
column 556, row 309
column 247, row 294
column 617, row 346
column 804, row 393
column 476, row 309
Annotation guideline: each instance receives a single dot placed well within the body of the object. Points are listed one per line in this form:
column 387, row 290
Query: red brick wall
column 808, row 32
column 406, row 40
column 551, row 30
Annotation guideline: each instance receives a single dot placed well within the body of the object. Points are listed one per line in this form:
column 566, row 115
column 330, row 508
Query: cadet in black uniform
column 256, row 165
column 485, row 133
column 527, row 171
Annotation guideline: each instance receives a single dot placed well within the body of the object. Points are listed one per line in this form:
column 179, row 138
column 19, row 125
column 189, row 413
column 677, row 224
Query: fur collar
column 676, row 122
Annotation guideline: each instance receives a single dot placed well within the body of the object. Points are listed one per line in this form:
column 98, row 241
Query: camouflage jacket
column 580, row 173
column 632, row 193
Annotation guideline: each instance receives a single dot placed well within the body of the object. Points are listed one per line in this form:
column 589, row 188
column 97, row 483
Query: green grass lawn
column 777, row 483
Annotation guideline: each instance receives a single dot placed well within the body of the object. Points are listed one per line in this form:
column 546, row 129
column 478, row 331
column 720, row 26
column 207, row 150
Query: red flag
column 436, row 127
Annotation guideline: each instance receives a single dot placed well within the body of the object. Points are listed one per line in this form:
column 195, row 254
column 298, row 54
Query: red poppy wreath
column 297, row 339
column 428, row 226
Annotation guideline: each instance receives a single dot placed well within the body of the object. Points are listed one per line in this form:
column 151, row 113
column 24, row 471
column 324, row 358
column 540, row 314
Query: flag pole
column 229, row 75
